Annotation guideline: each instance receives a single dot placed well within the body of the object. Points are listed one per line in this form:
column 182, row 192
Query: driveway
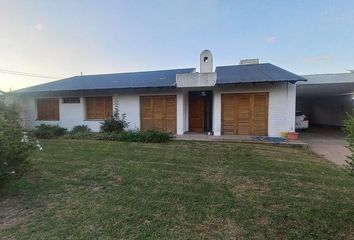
column 328, row 142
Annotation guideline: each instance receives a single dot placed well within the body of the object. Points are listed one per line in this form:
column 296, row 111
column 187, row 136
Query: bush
column 83, row 136
column 349, row 132
column 9, row 111
column 48, row 131
column 114, row 124
column 154, row 136
column 80, row 129
column 150, row 136
column 113, row 136
column 130, row 136
column 15, row 146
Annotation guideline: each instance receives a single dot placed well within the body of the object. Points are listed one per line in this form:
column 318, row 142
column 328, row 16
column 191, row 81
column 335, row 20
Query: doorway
column 200, row 111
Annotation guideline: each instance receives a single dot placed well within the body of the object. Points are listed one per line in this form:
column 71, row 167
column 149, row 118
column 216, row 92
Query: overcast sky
column 60, row 39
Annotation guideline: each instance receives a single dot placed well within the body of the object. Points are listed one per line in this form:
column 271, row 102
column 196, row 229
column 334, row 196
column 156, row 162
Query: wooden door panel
column 228, row 114
column 171, row 114
column 196, row 113
column 260, row 114
column 159, row 113
column 245, row 114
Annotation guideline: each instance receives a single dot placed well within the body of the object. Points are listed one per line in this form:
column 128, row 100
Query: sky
column 57, row 39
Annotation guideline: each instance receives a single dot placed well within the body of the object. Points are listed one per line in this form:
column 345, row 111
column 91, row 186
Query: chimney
column 206, row 62
column 249, row 61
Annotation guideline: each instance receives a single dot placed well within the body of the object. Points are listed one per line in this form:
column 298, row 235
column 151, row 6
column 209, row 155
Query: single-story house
column 246, row 99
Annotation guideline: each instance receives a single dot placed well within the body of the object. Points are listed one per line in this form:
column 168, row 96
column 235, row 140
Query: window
column 48, row 109
column 71, row 100
column 98, row 108
column 205, row 59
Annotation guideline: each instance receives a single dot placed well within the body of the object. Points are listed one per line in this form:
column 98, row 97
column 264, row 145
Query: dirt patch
column 263, row 221
column 11, row 216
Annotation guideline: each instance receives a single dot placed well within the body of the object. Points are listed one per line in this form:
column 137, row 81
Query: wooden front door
column 196, row 113
column 159, row 113
column 245, row 114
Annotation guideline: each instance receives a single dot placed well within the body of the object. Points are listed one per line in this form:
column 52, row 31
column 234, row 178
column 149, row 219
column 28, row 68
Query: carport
column 326, row 98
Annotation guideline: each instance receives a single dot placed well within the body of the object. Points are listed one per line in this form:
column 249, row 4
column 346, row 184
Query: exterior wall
column 330, row 110
column 70, row 115
column 189, row 80
column 74, row 114
column 182, row 112
column 281, row 112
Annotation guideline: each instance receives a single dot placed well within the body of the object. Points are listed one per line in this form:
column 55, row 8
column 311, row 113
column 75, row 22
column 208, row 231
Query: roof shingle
column 253, row 73
column 149, row 79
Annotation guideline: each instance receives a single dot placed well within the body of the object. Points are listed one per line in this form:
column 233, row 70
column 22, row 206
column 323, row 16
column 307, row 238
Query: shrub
column 154, row 136
column 80, row 129
column 15, row 146
column 151, row 136
column 9, row 111
column 116, row 123
column 112, row 125
column 349, row 132
column 112, row 136
column 130, row 136
column 48, row 131
column 83, row 136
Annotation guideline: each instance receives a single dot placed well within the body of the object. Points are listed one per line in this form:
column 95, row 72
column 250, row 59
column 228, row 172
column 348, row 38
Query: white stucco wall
column 281, row 109
column 70, row 115
column 192, row 80
column 128, row 103
column 281, row 112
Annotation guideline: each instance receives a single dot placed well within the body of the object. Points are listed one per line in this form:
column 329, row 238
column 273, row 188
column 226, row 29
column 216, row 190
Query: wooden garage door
column 159, row 113
column 244, row 114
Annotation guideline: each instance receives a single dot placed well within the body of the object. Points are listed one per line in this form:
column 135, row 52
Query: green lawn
column 179, row 190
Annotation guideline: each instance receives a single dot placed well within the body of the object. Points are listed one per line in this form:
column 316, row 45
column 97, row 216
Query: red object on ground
column 293, row 136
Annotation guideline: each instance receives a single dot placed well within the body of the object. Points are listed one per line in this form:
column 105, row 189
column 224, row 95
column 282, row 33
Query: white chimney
column 249, row 61
column 206, row 62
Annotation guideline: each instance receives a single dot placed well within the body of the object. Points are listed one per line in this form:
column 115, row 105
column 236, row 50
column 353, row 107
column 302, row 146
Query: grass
column 179, row 190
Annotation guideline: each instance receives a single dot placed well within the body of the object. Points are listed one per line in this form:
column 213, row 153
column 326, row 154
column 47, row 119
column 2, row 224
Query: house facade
column 246, row 99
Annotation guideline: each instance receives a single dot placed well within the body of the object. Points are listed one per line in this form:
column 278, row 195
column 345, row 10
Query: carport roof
column 254, row 73
column 329, row 78
column 323, row 85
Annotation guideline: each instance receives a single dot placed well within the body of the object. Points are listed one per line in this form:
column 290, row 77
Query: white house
column 245, row 99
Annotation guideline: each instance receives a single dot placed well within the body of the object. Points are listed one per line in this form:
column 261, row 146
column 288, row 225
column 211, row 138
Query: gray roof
column 253, row 73
column 149, row 79
column 329, row 78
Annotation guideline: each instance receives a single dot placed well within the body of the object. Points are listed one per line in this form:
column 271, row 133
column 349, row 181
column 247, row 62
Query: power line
column 26, row 74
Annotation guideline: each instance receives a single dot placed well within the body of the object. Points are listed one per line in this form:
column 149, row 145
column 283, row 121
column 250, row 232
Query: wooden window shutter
column 48, row 109
column 98, row 108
